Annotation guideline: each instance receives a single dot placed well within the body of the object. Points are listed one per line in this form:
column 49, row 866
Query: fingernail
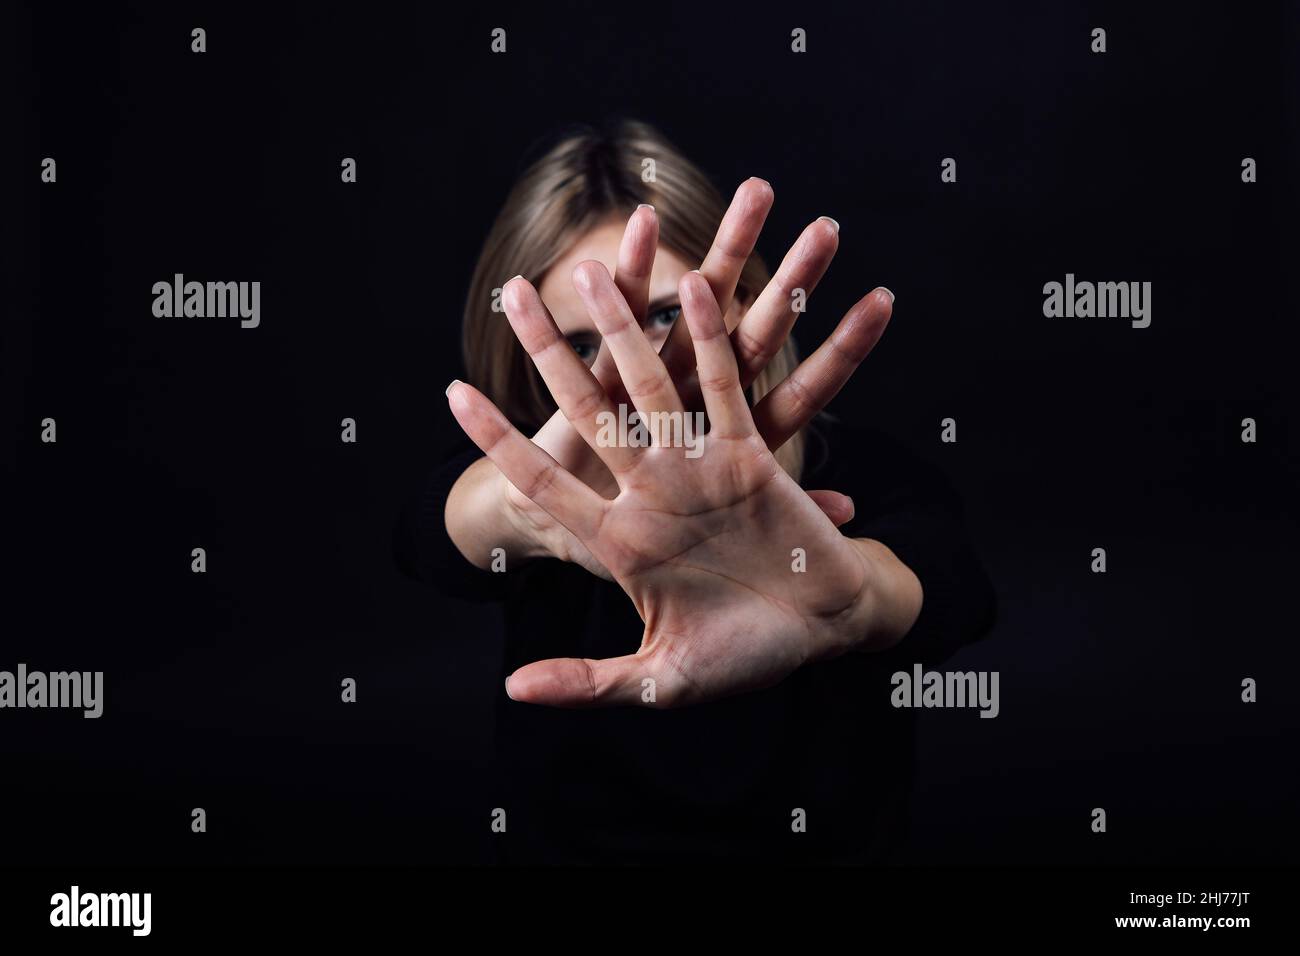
column 891, row 295
column 454, row 383
column 646, row 205
column 852, row 507
column 760, row 179
column 834, row 225
column 513, row 278
column 508, row 694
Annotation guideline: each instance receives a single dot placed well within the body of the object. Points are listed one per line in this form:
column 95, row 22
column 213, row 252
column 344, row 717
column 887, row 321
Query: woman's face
column 601, row 243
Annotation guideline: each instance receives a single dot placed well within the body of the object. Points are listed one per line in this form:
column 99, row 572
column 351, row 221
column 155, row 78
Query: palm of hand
column 705, row 546
column 738, row 230
column 739, row 575
column 707, row 549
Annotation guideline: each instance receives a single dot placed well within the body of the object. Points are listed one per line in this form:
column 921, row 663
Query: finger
column 732, row 246
column 558, row 437
column 644, row 377
column 808, row 389
column 762, row 332
column 579, row 682
column 719, row 380
column 636, row 259
column 535, row 473
column 839, row 508
column 579, row 396
column 735, row 240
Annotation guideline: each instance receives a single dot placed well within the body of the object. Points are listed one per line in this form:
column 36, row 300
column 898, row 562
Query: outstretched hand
column 758, row 336
column 704, row 546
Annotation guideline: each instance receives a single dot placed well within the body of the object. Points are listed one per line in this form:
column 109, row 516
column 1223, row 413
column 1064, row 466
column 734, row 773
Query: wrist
column 889, row 602
column 523, row 535
column 480, row 517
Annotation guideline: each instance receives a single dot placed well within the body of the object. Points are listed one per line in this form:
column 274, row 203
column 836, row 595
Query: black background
column 1119, row 691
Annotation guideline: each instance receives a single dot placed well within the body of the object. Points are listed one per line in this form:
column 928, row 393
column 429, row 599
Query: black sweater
column 719, row 781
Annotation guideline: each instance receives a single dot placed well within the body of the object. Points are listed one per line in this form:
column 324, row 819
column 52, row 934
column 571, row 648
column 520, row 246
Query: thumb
column 839, row 508
column 579, row 682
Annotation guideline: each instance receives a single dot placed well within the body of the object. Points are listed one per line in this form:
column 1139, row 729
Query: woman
column 698, row 650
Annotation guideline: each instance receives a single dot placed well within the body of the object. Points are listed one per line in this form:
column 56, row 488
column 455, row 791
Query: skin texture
column 602, row 245
column 484, row 511
column 702, row 546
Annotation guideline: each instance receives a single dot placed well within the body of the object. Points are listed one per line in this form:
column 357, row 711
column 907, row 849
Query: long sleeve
column 425, row 552
column 910, row 507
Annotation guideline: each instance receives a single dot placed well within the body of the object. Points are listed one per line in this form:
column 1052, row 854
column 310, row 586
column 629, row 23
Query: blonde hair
column 583, row 179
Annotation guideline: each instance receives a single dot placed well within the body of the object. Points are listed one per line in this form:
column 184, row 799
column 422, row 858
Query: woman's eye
column 586, row 350
column 665, row 317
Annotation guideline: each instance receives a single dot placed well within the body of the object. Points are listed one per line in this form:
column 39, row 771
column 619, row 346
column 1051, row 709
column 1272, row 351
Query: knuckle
column 540, row 481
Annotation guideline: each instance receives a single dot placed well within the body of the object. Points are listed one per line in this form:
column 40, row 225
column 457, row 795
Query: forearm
column 890, row 601
column 479, row 519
